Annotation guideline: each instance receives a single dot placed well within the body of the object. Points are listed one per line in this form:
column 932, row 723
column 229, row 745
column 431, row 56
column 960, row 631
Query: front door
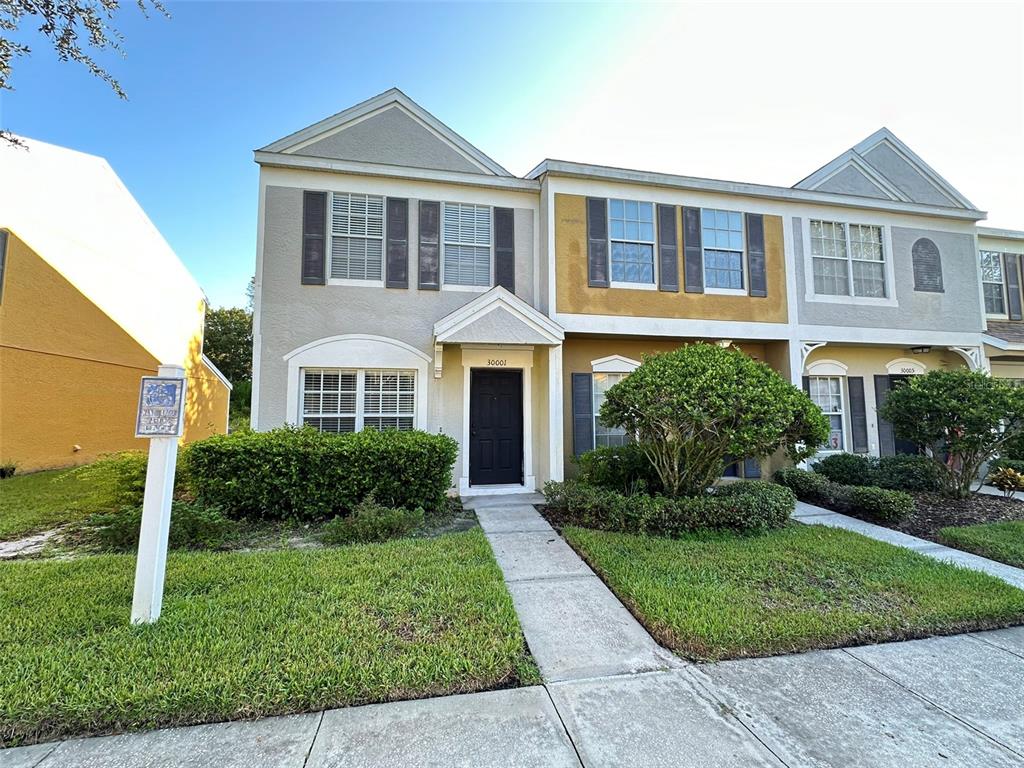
column 495, row 426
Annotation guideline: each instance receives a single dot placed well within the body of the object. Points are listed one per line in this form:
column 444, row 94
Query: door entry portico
column 495, row 427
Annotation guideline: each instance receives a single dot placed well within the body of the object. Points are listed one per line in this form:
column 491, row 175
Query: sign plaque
column 161, row 407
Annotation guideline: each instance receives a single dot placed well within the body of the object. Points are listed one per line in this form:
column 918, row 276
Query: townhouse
column 406, row 280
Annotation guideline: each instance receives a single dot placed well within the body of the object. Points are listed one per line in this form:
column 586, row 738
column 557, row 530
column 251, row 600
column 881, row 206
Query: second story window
column 992, row 284
column 847, row 256
column 722, row 240
column 357, row 236
column 631, row 226
column 467, row 244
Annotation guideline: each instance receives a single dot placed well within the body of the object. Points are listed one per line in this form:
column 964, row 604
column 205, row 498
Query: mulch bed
column 935, row 512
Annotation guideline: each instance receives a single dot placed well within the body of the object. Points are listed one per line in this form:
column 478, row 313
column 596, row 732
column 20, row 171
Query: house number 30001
column 497, row 363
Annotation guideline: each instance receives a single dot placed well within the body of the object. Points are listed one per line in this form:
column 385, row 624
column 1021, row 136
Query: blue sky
column 599, row 83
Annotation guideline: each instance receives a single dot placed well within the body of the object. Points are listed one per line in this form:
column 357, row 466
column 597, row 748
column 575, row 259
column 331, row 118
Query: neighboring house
column 405, row 279
column 91, row 299
column 1001, row 254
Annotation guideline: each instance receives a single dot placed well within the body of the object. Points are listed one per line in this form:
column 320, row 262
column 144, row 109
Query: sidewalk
column 612, row 698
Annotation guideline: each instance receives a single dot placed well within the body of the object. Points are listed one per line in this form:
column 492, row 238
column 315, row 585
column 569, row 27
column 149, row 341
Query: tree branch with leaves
column 76, row 29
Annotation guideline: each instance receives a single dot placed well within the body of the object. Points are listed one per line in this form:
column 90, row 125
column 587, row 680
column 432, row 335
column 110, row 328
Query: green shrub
column 310, row 475
column 848, row 468
column 371, row 521
column 808, row 486
column 907, row 473
column 865, row 501
column 751, row 506
column 697, row 405
column 881, row 504
column 124, row 473
column 621, row 468
column 7, row 469
column 900, row 473
column 193, row 526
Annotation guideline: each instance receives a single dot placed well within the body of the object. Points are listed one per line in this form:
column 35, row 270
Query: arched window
column 927, row 266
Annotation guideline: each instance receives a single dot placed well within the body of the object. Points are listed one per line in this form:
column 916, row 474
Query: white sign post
column 160, row 418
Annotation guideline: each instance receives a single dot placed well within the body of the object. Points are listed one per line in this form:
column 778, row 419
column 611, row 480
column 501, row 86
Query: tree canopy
column 693, row 407
column 960, row 418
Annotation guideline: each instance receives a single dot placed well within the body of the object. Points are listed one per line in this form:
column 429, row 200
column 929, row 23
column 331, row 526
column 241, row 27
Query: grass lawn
column 251, row 634
column 41, row 500
column 998, row 541
column 716, row 596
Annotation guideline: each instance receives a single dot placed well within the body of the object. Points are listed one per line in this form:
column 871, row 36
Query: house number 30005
column 497, row 363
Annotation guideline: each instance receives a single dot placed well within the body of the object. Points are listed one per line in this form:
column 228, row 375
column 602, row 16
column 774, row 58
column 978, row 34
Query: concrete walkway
column 808, row 513
column 612, row 698
column 574, row 625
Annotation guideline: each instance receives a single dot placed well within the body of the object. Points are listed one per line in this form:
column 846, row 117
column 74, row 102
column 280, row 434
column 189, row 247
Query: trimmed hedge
column 898, row 473
column 871, row 502
column 621, row 468
column 309, row 475
column 124, row 473
column 748, row 506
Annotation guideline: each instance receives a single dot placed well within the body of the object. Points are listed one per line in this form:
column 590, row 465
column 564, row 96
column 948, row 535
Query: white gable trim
column 487, row 302
column 375, row 105
column 850, row 159
column 614, row 364
column 885, row 136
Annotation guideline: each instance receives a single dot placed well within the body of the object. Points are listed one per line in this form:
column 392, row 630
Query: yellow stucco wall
column 871, row 361
column 576, row 297
column 69, row 375
column 578, row 353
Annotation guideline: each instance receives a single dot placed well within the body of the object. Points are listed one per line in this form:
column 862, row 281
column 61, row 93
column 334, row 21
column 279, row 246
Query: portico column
column 556, row 457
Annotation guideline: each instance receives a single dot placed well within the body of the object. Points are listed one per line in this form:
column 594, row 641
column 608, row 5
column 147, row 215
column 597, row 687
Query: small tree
column 961, row 419
column 695, row 406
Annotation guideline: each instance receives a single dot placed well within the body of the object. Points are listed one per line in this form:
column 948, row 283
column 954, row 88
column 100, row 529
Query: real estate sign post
column 160, row 419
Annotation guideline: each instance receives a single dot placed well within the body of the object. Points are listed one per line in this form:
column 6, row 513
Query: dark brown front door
column 495, row 427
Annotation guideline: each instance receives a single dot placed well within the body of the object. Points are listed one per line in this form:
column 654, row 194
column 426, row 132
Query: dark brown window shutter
column 886, row 437
column 582, row 413
column 668, row 249
column 693, row 256
column 597, row 242
column 927, row 263
column 755, row 255
column 505, row 248
column 430, row 246
column 314, row 237
column 397, row 247
column 1011, row 266
column 858, row 414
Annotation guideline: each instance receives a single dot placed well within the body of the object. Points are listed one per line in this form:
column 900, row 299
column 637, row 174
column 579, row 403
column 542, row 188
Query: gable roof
column 74, row 212
column 497, row 317
column 404, row 114
column 882, row 166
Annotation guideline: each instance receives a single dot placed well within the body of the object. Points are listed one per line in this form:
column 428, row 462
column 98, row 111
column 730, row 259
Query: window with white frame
column 827, row 393
column 847, row 256
column 357, row 236
column 605, row 435
column 722, row 241
column 467, row 244
column 992, row 284
column 631, row 226
column 348, row 400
